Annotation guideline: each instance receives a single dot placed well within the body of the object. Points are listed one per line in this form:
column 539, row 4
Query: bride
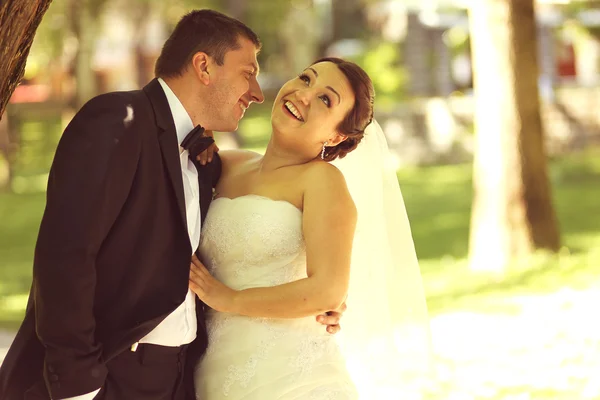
column 290, row 236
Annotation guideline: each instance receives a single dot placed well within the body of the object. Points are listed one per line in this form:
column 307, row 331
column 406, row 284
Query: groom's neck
column 191, row 96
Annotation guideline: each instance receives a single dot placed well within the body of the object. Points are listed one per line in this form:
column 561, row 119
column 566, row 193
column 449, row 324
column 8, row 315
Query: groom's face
column 233, row 86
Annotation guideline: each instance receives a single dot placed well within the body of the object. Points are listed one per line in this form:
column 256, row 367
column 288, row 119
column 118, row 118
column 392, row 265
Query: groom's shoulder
column 117, row 110
column 105, row 118
column 113, row 104
column 116, row 99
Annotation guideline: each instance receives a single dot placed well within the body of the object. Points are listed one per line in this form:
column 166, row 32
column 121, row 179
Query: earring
column 323, row 151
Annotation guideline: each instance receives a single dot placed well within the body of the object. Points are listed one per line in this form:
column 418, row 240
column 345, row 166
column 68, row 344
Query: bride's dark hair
column 360, row 116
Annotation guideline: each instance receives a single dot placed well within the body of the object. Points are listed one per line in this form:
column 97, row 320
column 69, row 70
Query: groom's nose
column 256, row 93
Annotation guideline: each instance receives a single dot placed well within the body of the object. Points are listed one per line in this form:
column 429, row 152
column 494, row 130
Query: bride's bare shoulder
column 319, row 174
column 231, row 158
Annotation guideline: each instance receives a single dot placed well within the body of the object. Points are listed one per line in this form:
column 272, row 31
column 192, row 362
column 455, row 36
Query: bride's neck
column 275, row 159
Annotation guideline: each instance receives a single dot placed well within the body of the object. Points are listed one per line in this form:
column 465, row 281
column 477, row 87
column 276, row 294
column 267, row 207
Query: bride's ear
column 200, row 64
column 337, row 139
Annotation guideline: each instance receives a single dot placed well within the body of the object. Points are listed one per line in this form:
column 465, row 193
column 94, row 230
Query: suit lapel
column 167, row 139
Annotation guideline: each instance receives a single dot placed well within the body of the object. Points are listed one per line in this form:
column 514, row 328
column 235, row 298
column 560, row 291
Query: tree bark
column 512, row 208
column 6, row 153
column 19, row 19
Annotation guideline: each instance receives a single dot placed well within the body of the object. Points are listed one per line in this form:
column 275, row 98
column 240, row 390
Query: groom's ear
column 200, row 64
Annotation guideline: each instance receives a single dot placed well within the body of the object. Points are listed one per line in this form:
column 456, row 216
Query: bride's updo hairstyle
column 360, row 116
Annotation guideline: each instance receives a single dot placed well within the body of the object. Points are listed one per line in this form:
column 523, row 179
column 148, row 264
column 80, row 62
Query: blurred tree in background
column 85, row 25
column 512, row 207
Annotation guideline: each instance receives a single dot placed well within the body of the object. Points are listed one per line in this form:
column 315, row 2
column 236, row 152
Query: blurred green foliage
column 383, row 64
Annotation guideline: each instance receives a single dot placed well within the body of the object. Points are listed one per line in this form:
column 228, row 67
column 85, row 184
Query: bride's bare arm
column 329, row 221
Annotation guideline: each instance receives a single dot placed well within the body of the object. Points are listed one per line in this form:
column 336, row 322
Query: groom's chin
column 231, row 128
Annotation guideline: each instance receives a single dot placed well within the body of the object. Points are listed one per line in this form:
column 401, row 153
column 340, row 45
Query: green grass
column 438, row 201
column 20, row 216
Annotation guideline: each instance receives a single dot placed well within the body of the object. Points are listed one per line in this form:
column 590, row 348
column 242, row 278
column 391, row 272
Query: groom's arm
column 79, row 212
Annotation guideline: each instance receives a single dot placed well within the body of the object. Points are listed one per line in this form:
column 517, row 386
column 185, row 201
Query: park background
column 492, row 112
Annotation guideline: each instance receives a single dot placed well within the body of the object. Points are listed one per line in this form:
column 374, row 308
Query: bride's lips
column 292, row 111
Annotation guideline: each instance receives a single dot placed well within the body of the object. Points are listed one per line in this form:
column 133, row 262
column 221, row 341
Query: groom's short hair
column 205, row 31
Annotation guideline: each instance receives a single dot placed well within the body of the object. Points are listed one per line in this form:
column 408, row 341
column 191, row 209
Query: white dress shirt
column 179, row 327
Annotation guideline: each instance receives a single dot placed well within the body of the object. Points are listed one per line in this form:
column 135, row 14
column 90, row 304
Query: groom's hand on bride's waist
column 332, row 319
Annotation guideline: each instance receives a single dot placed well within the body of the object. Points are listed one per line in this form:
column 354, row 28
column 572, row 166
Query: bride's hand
column 213, row 293
column 332, row 319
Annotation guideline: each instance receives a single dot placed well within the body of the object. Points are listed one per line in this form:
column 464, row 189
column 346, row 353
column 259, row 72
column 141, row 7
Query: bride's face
column 309, row 108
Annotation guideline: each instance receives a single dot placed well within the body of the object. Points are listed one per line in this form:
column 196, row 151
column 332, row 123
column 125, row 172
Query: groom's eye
column 304, row 78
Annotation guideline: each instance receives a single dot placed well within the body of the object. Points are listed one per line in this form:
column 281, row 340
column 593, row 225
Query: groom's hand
column 332, row 319
column 207, row 155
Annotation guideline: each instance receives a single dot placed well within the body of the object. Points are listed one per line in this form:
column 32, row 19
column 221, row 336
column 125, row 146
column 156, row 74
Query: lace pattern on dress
column 310, row 350
column 243, row 374
column 215, row 327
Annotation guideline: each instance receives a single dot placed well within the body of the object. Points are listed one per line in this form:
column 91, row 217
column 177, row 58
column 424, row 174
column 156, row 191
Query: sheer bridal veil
column 385, row 331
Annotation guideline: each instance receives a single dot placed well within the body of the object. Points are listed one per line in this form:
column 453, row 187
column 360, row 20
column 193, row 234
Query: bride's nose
column 305, row 95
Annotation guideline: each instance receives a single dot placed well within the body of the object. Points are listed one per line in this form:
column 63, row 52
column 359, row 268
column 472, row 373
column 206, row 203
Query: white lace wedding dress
column 254, row 241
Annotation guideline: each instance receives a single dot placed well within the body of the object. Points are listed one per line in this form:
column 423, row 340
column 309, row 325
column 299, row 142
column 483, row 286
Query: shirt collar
column 183, row 122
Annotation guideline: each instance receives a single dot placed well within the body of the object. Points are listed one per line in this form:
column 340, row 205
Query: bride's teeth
column 293, row 110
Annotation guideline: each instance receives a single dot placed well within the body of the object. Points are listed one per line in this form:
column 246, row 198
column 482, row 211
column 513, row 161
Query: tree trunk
column 346, row 21
column 6, row 153
column 512, row 208
column 85, row 22
column 19, row 19
column 140, row 20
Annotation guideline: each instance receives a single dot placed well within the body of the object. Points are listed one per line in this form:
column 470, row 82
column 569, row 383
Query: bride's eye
column 326, row 100
column 304, row 78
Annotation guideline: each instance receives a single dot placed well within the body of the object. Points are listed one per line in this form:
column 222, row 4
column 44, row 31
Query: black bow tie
column 195, row 142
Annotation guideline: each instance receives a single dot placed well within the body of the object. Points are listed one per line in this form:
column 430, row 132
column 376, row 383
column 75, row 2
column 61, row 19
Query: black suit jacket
column 113, row 253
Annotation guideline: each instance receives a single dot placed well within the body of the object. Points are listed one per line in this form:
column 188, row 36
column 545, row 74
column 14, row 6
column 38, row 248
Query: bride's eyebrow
column 314, row 71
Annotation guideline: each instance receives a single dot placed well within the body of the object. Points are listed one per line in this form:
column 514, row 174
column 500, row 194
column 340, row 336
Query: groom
column 110, row 315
